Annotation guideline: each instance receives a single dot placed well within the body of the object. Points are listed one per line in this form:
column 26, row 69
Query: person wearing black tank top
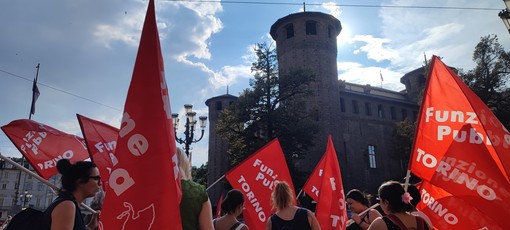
column 396, row 204
column 79, row 181
column 288, row 216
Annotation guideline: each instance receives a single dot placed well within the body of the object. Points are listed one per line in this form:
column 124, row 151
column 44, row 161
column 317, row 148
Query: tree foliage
column 270, row 108
column 489, row 78
column 199, row 174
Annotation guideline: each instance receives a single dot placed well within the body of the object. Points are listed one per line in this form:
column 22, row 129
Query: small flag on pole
column 35, row 92
column 380, row 73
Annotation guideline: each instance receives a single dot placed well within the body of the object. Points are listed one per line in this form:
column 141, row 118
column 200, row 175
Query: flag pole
column 28, row 171
column 351, row 221
column 218, row 180
column 32, row 111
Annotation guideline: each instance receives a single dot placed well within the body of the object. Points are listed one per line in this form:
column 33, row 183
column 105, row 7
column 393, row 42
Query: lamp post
column 25, row 198
column 505, row 15
column 189, row 128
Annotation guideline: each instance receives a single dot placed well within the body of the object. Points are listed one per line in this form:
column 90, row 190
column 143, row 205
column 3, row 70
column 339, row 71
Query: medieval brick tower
column 308, row 40
column 218, row 157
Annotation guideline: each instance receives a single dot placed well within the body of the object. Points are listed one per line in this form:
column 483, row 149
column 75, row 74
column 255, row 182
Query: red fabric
column 314, row 182
column 101, row 140
column 331, row 208
column 255, row 177
column 448, row 104
column 452, row 149
column 145, row 187
column 43, row 145
column 449, row 212
column 218, row 207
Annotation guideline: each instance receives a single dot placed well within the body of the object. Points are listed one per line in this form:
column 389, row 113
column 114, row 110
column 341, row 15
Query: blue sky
column 87, row 50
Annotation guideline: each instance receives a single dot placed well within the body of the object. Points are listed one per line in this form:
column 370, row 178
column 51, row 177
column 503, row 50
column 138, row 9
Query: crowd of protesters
column 82, row 180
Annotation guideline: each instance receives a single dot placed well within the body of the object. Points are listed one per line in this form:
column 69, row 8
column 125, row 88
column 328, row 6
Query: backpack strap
column 396, row 221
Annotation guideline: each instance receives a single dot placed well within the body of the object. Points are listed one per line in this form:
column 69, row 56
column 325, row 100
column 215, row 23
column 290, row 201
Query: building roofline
column 224, row 96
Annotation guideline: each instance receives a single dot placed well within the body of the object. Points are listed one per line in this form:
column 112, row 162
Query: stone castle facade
column 360, row 118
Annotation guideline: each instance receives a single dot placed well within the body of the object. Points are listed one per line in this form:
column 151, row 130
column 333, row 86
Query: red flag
column 144, row 185
column 101, row 140
column 255, row 177
column 449, row 212
column 218, row 207
column 470, row 174
column 43, row 145
column 331, row 208
column 448, row 104
column 314, row 182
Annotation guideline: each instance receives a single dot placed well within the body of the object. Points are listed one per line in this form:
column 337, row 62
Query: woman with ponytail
column 396, row 204
column 79, row 181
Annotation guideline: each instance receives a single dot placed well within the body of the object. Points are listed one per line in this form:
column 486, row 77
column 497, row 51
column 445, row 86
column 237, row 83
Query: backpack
column 28, row 219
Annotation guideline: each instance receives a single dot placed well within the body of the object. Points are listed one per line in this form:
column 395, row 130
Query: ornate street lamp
column 505, row 15
column 25, row 198
column 190, row 128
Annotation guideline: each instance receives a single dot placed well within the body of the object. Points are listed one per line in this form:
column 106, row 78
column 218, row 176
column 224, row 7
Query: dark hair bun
column 63, row 165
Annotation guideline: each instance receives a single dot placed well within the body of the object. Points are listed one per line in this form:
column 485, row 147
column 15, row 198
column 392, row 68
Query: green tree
column 490, row 76
column 271, row 108
column 199, row 174
column 402, row 141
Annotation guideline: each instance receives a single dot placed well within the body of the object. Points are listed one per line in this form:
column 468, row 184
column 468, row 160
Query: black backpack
column 28, row 219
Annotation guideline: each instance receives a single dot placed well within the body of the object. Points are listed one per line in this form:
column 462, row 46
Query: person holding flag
column 396, row 204
column 80, row 180
column 287, row 215
column 362, row 215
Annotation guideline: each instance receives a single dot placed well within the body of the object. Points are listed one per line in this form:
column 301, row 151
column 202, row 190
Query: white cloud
column 375, row 48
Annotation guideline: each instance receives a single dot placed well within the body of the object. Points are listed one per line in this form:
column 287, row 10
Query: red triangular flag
column 43, row 145
column 144, row 185
column 314, row 182
column 331, row 208
column 255, row 177
column 448, row 104
column 101, row 140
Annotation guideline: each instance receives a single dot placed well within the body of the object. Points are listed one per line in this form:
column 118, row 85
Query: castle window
column 404, row 114
column 368, row 109
column 393, row 113
column 311, row 28
column 342, row 105
column 380, row 111
column 290, row 30
column 371, row 157
column 219, row 105
column 355, row 107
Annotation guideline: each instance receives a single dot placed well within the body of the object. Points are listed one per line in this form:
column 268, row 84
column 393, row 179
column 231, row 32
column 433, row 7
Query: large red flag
column 314, row 182
column 255, row 177
column 449, row 212
column 43, row 145
column 470, row 174
column 144, row 191
column 331, row 208
column 448, row 104
column 101, row 140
